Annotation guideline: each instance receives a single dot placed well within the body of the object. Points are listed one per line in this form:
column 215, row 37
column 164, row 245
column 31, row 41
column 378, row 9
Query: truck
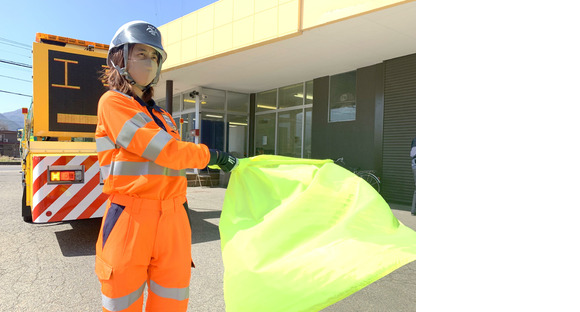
column 61, row 179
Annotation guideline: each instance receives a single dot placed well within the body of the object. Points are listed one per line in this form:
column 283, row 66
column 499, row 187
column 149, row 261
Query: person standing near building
column 414, row 167
column 145, row 237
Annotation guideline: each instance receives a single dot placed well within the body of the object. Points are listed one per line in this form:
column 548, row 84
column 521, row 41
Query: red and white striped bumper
column 61, row 202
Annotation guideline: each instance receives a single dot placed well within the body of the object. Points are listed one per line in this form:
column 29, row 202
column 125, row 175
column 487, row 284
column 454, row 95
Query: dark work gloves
column 225, row 161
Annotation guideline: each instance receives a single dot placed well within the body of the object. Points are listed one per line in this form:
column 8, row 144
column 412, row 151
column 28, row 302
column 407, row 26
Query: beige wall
column 229, row 25
column 225, row 26
column 319, row 12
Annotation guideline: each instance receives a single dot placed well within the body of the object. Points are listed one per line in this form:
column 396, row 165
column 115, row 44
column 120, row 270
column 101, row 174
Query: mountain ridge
column 12, row 121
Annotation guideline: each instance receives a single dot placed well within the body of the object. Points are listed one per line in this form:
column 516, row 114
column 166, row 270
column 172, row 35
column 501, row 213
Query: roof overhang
column 341, row 46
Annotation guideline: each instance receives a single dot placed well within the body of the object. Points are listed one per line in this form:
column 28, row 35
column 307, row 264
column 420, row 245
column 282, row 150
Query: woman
column 145, row 236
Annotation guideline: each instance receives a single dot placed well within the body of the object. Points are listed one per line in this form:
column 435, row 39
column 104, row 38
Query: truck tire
column 26, row 212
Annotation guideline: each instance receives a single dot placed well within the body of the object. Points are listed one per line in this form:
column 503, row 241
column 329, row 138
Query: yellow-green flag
column 302, row 234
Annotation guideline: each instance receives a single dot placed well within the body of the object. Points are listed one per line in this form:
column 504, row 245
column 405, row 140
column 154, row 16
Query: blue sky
column 94, row 21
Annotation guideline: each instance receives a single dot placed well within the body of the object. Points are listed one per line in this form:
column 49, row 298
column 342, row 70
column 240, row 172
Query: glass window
column 212, row 130
column 188, row 102
column 291, row 96
column 212, row 116
column 309, row 92
column 342, row 102
column 265, row 134
column 238, row 102
column 212, row 99
column 290, row 133
column 308, row 133
column 266, row 101
column 187, row 127
column 238, row 135
column 290, row 129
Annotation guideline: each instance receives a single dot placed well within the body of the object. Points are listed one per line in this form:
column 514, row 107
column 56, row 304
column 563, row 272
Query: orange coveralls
column 145, row 236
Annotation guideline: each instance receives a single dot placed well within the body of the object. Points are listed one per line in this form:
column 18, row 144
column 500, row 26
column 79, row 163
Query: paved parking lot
column 50, row 267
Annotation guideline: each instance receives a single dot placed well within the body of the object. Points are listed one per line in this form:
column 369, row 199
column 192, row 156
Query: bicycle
column 367, row 175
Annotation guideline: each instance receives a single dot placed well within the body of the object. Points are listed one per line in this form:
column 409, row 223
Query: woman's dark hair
column 118, row 82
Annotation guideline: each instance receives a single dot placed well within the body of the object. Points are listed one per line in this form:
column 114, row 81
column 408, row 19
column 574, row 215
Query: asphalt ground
column 50, row 267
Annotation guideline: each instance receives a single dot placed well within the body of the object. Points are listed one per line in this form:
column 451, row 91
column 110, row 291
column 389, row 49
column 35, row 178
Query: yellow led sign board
column 67, row 88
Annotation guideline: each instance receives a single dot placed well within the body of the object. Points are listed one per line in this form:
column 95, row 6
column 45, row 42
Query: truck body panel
column 66, row 201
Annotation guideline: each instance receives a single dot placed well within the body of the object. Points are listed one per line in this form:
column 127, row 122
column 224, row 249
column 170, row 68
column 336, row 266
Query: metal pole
column 197, row 123
column 197, row 119
column 169, row 96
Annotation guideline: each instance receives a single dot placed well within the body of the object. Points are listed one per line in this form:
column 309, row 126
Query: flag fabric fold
column 302, row 234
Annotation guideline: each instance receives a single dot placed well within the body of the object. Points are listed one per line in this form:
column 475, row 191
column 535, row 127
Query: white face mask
column 142, row 71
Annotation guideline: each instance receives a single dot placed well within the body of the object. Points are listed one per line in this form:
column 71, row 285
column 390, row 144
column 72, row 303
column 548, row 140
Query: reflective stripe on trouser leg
column 170, row 268
column 122, row 303
column 169, row 293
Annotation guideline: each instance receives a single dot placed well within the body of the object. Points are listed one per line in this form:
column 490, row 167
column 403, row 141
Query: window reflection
column 290, row 133
column 238, row 102
column 212, row 99
column 291, row 96
column 342, row 102
column 282, row 116
column 265, row 131
column 237, row 135
column 266, row 101
column 188, row 103
column 308, row 133
column 309, row 92
column 212, row 130
column 187, row 127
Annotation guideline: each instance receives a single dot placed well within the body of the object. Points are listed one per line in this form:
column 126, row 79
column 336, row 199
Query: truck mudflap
column 66, row 188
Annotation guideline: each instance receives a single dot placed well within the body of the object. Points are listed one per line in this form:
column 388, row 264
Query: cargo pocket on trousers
column 103, row 269
column 112, row 216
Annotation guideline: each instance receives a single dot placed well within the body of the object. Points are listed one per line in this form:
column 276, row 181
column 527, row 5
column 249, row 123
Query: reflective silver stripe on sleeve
column 104, row 144
column 105, row 170
column 170, row 293
column 156, row 144
column 128, row 168
column 130, row 127
column 122, row 303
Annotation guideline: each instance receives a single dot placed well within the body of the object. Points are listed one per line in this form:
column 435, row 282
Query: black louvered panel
column 398, row 129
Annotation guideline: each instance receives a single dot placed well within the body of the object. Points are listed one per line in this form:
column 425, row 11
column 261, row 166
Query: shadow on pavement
column 202, row 230
column 81, row 239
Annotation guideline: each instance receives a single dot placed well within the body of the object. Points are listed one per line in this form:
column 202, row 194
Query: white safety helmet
column 132, row 33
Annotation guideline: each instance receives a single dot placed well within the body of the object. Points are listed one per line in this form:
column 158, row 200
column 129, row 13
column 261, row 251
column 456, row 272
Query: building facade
column 9, row 144
column 299, row 78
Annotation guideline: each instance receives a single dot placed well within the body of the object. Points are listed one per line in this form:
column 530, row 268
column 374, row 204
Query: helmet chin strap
column 141, row 87
column 123, row 71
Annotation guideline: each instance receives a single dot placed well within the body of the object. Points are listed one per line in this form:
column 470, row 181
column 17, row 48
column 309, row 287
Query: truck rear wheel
column 26, row 212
